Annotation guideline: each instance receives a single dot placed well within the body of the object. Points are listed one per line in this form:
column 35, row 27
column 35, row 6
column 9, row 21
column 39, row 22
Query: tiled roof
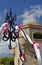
column 32, row 23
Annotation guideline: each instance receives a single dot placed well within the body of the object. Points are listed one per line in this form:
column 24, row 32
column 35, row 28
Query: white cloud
column 5, row 11
column 4, row 47
column 33, row 14
column 0, row 17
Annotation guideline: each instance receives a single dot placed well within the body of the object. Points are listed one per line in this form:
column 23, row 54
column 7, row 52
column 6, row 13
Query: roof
column 32, row 23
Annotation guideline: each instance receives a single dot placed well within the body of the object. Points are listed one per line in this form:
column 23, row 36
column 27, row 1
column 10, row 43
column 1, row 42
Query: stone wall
column 28, row 49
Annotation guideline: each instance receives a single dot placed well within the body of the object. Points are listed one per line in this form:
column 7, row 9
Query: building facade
column 34, row 30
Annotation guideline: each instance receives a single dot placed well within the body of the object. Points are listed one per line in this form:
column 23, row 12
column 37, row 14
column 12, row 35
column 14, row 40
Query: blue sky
column 26, row 10
column 18, row 7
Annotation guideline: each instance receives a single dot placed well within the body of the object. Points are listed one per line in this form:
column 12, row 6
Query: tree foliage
column 6, row 61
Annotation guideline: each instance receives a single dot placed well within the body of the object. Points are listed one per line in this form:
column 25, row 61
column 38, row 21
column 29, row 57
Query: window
column 37, row 36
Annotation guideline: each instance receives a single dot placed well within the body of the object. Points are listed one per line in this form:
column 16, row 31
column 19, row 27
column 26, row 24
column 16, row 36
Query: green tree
column 6, row 61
